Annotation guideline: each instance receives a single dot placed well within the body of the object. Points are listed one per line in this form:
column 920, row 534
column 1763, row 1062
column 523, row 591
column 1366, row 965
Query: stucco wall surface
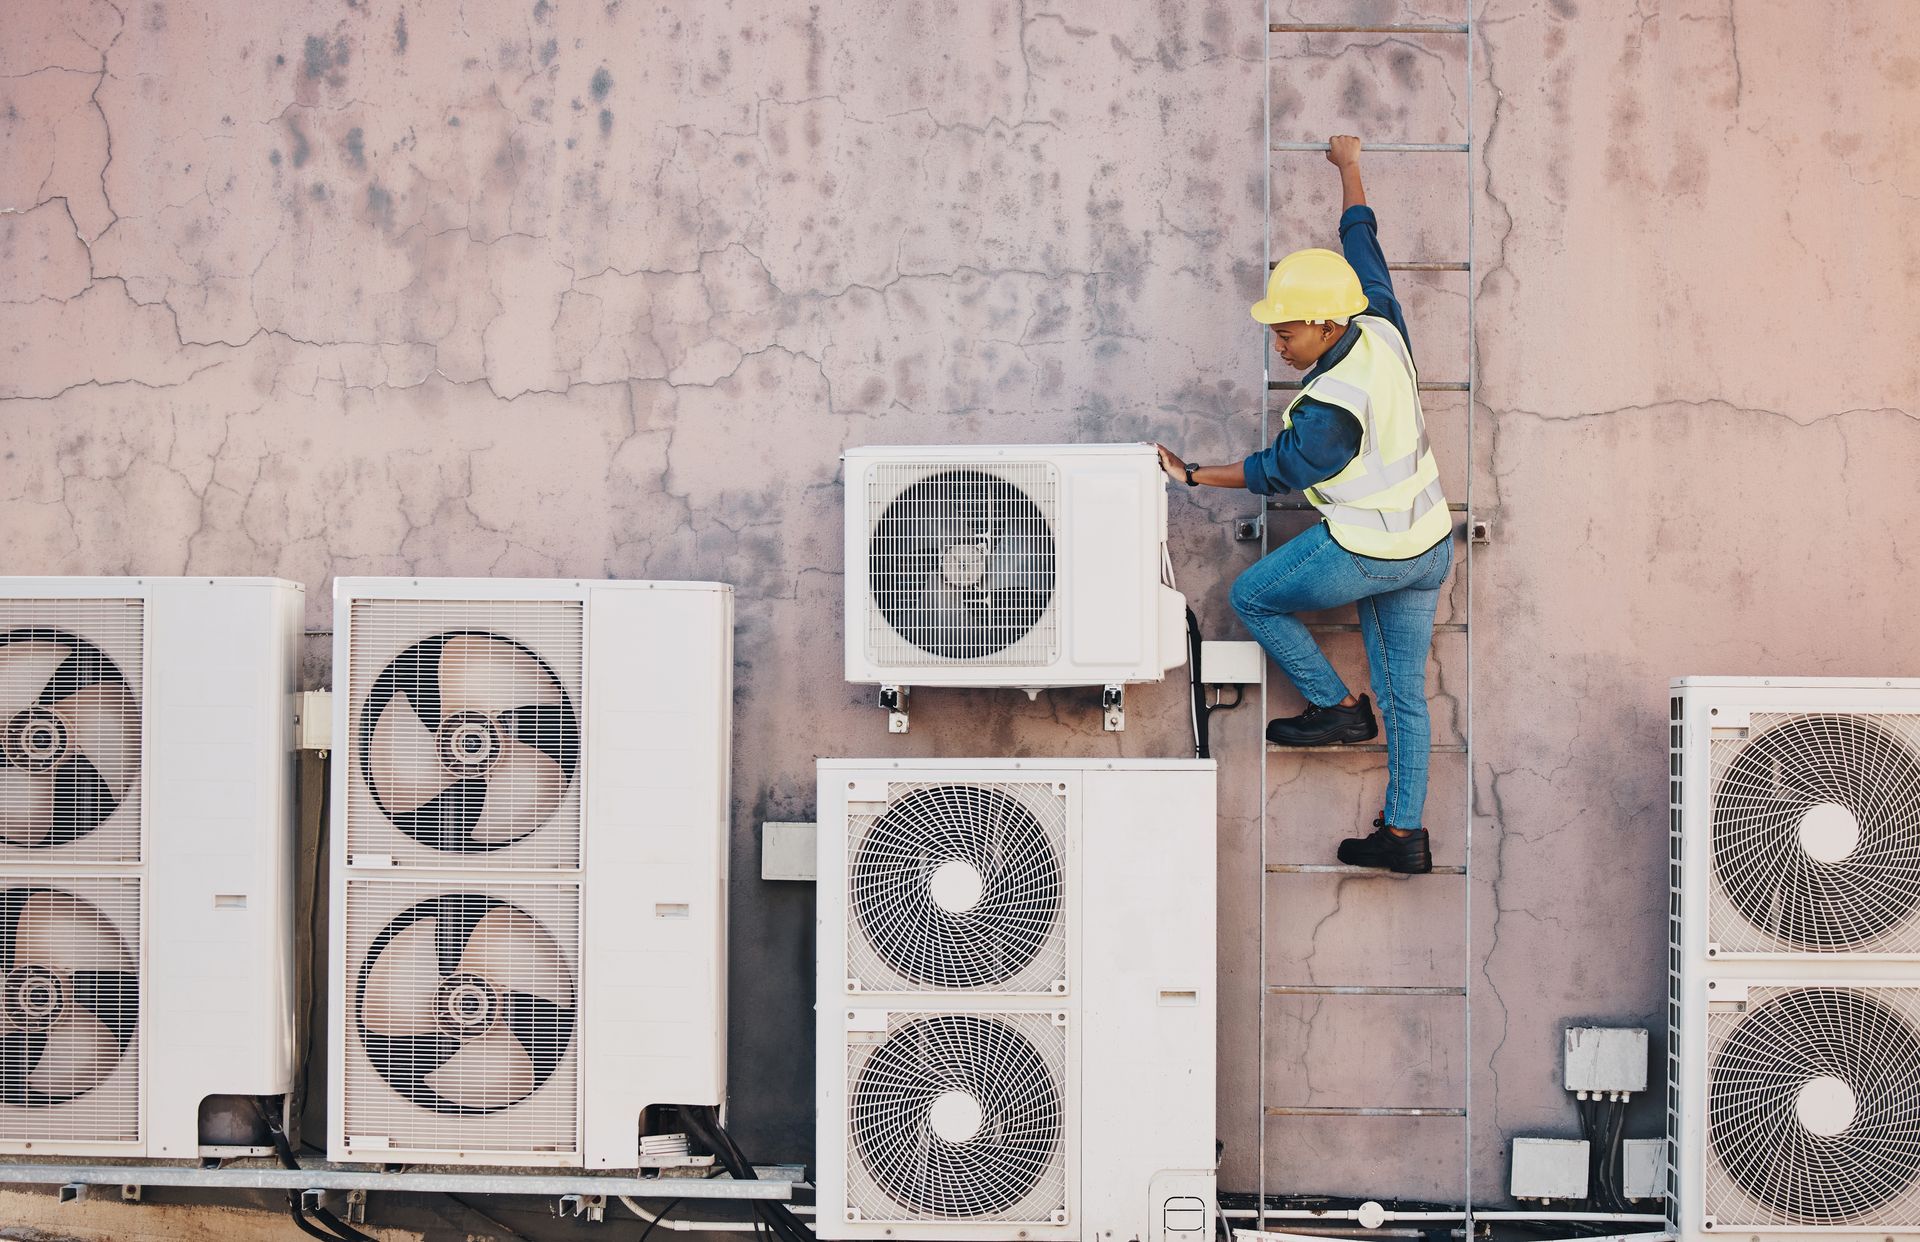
column 564, row 289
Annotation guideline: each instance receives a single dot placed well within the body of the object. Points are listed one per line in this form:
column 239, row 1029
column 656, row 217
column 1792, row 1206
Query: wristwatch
column 1191, row 467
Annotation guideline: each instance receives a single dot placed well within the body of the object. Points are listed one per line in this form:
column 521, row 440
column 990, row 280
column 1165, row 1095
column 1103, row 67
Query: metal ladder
column 1275, row 871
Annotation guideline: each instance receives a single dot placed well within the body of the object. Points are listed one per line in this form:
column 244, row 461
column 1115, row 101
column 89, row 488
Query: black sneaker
column 1324, row 726
column 1408, row 855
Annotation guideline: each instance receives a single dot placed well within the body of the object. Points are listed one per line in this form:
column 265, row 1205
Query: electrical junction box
column 1643, row 1168
column 1230, row 663
column 789, row 851
column 1606, row 1059
column 313, row 719
column 1546, row 1168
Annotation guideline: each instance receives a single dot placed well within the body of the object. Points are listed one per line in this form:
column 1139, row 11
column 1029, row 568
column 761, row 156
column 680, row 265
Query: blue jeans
column 1397, row 601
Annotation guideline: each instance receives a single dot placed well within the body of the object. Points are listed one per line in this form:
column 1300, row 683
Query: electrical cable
column 1197, row 689
column 330, row 1227
column 703, row 1123
column 655, row 1222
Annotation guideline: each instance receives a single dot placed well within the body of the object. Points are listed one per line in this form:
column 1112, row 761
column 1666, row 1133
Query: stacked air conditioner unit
column 1016, row 999
column 147, row 793
column 529, row 866
column 1794, row 1092
column 1026, row 566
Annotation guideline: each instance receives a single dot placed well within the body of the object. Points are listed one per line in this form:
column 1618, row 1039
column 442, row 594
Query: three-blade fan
column 465, row 1004
column 957, row 1116
column 1814, row 1104
column 69, row 738
column 961, row 564
column 468, row 742
column 1816, row 832
column 69, row 997
column 956, row 886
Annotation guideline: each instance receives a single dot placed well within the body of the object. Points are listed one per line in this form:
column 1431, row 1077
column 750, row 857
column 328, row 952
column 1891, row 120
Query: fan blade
column 79, row 1055
column 488, row 1073
column 26, row 806
column 404, row 760
column 446, row 823
column 402, row 984
column 106, row 728
column 515, row 954
column 19, row 1053
column 81, row 801
column 492, row 675
column 402, row 1061
column 1020, row 563
column 543, row 1028
column 64, row 934
column 551, row 730
column 113, row 996
column 523, row 789
column 25, row 669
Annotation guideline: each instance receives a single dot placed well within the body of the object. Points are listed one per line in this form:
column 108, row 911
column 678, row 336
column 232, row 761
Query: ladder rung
column 1344, row 869
column 1404, row 148
column 1443, row 748
column 1378, row 28
column 1353, row 627
column 1335, row 1110
column 1411, row 267
column 1425, row 385
column 1328, row 989
column 1301, row 506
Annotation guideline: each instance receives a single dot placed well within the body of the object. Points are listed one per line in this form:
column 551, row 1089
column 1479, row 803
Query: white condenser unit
column 529, row 862
column 147, row 825
column 1016, row 999
column 1026, row 566
column 1794, row 1042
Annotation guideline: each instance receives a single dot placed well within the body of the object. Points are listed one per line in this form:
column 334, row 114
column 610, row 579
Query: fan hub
column 963, row 564
column 1825, row 1105
column 1829, row 832
column 33, row 997
column 956, row 1116
column 469, row 744
column 467, row 1005
column 956, row 886
column 36, row 739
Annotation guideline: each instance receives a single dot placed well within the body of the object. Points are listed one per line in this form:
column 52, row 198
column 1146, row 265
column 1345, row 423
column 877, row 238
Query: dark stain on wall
column 356, row 147
column 301, row 147
column 601, row 84
column 400, row 34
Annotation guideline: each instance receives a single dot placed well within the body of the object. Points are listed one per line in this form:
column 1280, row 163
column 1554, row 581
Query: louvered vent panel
column 958, row 1118
column 71, row 690
column 1816, row 835
column 70, row 1002
column 1813, row 1110
column 465, row 744
column 962, row 564
column 463, row 1017
column 959, row 886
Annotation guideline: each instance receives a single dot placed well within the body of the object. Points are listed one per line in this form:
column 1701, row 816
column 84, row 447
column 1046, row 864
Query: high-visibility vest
column 1387, row 501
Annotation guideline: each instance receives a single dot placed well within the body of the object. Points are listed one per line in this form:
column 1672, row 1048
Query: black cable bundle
column 341, row 1231
column 1202, row 727
column 1603, row 1124
column 703, row 1123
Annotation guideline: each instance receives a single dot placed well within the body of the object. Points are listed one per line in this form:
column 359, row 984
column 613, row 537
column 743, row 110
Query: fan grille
column 1816, row 836
column 962, row 564
column 1813, row 1109
column 463, row 1004
column 959, row 886
column 958, row 1117
column 465, row 739
column 70, row 999
column 70, row 729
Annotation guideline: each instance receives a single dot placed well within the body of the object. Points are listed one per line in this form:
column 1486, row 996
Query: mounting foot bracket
column 893, row 701
column 1113, row 700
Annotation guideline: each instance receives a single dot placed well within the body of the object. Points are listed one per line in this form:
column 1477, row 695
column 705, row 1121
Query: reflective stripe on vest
column 1373, row 505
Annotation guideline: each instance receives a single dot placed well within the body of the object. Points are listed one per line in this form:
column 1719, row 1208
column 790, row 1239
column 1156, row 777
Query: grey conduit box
column 1545, row 1168
column 1606, row 1059
column 788, row 852
column 1643, row 1168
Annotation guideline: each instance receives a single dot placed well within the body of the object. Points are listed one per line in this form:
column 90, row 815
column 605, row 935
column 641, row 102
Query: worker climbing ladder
column 1301, row 863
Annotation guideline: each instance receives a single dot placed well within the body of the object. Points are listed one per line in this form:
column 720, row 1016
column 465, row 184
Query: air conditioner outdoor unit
column 147, row 821
column 1794, row 1041
column 1016, row 999
column 529, row 860
column 1026, row 566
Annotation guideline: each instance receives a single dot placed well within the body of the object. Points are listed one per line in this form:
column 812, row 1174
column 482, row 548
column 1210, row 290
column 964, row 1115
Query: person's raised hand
column 1171, row 463
column 1342, row 150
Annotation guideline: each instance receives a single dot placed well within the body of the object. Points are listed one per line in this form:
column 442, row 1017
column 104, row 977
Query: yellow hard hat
column 1310, row 284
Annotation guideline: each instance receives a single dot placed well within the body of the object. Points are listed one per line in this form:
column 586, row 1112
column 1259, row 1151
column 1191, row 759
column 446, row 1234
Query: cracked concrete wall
column 544, row 288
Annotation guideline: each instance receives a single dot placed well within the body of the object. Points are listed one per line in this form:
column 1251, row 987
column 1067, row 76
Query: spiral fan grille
column 464, row 1009
column 70, row 1009
column 1816, row 835
column 959, row 1117
column 1813, row 1109
column 466, row 736
column 70, row 729
column 961, row 564
column 959, row 887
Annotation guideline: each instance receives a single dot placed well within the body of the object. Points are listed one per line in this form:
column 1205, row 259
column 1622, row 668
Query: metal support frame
column 74, row 1181
column 1477, row 532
